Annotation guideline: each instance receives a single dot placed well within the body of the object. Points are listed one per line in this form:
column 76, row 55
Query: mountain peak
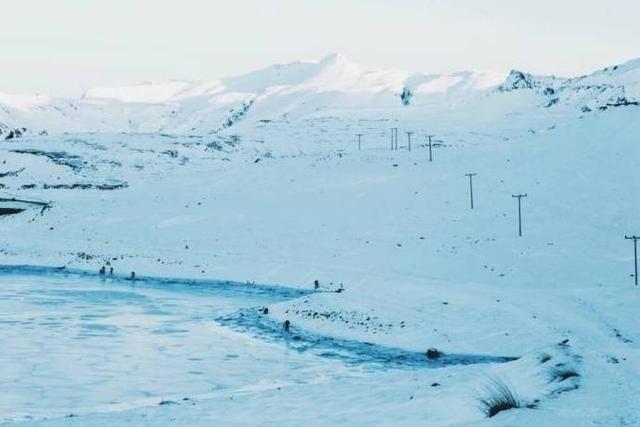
column 338, row 61
column 335, row 58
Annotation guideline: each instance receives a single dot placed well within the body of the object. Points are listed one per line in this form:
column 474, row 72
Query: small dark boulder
column 433, row 354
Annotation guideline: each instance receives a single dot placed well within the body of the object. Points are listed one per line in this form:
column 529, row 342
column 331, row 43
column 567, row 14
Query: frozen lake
column 74, row 344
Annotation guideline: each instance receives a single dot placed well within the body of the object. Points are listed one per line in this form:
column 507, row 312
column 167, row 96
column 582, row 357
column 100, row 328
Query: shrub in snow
column 498, row 397
column 561, row 373
column 544, row 358
column 551, row 102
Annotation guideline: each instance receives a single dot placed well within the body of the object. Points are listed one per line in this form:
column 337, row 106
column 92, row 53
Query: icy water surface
column 75, row 343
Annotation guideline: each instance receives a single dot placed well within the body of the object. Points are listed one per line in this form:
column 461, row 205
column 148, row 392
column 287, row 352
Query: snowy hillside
column 334, row 85
column 280, row 92
column 402, row 305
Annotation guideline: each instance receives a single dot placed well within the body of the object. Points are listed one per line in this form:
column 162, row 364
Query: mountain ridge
column 302, row 88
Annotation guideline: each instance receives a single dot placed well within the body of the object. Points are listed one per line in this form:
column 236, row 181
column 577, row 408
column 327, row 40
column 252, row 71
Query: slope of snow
column 24, row 102
column 282, row 195
column 150, row 93
column 295, row 89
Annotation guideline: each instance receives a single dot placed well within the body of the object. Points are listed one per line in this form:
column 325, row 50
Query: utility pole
column 409, row 139
column 471, row 175
column 430, row 140
column 394, row 139
column 391, row 138
column 519, row 197
column 359, row 135
column 635, row 254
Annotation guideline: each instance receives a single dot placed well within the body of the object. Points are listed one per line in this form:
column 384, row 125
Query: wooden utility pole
column 635, row 254
column 394, row 139
column 519, row 197
column 409, row 139
column 430, row 138
column 471, row 175
column 359, row 135
column 391, row 129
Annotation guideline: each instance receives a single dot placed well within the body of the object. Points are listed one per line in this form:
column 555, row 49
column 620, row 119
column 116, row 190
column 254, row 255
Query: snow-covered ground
column 277, row 193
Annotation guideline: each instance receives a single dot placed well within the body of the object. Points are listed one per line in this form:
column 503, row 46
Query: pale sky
column 63, row 47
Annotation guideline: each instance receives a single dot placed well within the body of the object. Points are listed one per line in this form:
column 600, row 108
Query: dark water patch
column 116, row 185
column 14, row 206
column 94, row 145
column 62, row 158
column 212, row 287
column 10, row 211
column 28, row 202
column 350, row 352
column 11, row 173
column 250, row 321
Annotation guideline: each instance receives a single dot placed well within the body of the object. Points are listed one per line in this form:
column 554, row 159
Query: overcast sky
column 64, row 47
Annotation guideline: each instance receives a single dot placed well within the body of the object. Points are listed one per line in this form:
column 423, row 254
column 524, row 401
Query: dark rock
column 433, row 354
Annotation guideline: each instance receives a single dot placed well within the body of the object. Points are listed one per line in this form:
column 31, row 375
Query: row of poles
column 394, row 141
column 515, row 196
column 430, row 140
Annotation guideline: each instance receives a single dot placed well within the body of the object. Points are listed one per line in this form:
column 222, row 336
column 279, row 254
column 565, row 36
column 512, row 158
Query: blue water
column 74, row 343
column 77, row 342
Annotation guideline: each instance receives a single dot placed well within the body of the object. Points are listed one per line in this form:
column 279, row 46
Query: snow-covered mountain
column 333, row 86
column 614, row 86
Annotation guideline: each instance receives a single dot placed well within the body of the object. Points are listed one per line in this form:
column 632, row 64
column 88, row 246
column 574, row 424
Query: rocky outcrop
column 6, row 133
